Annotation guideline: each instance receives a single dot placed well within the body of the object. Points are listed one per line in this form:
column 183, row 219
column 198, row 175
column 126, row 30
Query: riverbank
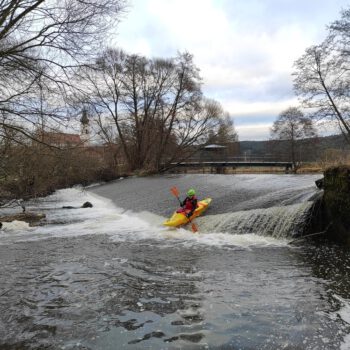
column 10, row 191
column 336, row 203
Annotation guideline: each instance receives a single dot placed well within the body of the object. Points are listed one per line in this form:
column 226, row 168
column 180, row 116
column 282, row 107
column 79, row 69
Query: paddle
column 175, row 192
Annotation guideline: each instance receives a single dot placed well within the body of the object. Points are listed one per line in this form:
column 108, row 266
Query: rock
column 28, row 217
column 320, row 183
column 87, row 205
column 336, row 201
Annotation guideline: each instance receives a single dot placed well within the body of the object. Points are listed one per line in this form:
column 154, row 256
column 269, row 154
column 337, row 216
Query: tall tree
column 40, row 42
column 322, row 76
column 226, row 132
column 292, row 126
column 156, row 104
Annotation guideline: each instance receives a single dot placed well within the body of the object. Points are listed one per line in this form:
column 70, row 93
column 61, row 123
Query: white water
column 278, row 222
column 344, row 314
column 15, row 226
column 120, row 225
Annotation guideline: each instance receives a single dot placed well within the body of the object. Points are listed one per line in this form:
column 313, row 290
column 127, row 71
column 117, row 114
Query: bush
column 38, row 170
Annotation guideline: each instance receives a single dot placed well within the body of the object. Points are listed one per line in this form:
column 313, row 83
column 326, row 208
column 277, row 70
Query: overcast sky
column 245, row 49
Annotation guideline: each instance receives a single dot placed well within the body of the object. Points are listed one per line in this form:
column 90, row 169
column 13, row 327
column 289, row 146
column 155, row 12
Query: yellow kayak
column 179, row 219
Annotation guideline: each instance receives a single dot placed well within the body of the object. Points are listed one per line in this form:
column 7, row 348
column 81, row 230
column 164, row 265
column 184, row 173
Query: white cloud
column 238, row 108
column 245, row 49
column 258, row 132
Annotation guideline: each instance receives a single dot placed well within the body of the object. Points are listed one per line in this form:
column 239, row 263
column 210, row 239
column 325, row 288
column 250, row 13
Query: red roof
column 60, row 138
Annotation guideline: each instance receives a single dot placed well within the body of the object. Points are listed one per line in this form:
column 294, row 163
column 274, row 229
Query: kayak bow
column 179, row 219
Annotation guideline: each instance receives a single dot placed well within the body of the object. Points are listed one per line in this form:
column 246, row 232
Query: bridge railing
column 245, row 159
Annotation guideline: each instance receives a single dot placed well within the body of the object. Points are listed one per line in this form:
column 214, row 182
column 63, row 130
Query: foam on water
column 68, row 222
column 224, row 239
column 346, row 343
column 278, row 222
column 344, row 314
column 106, row 218
column 15, row 226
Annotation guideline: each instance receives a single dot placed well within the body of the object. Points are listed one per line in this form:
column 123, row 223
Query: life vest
column 189, row 203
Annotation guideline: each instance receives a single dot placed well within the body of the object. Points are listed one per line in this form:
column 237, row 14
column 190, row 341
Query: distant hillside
column 334, row 141
column 260, row 148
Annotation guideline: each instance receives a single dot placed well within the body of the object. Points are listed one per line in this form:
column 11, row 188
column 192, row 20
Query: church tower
column 85, row 128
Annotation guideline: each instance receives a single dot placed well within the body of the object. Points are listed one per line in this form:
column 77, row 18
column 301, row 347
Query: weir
column 278, row 222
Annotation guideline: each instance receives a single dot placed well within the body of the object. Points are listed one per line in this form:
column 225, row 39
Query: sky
column 245, row 49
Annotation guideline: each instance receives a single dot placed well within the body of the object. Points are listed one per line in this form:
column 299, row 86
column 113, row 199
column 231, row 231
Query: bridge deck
column 233, row 164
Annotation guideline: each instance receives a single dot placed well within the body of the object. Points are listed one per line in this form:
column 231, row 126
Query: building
column 60, row 139
column 214, row 152
column 85, row 133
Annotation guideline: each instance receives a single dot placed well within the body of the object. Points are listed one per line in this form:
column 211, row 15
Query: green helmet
column 191, row 192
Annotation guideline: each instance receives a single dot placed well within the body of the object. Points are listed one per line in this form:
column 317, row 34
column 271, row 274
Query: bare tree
column 40, row 43
column 156, row 105
column 226, row 132
column 292, row 126
column 322, row 76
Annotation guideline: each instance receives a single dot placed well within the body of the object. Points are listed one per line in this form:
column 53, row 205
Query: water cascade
column 278, row 222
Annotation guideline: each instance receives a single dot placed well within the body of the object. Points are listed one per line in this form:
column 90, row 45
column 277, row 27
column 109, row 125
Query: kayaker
column 189, row 204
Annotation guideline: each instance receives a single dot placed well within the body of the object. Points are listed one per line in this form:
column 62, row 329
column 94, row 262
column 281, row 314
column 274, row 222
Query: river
column 111, row 277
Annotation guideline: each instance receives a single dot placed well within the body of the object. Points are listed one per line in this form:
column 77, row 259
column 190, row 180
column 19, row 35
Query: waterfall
column 278, row 222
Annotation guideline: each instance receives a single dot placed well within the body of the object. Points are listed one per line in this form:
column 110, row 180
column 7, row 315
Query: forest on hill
column 311, row 149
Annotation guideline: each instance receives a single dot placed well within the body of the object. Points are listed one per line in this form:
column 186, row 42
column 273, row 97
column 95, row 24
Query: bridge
column 234, row 163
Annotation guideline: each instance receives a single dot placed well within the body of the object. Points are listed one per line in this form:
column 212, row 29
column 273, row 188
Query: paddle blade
column 175, row 191
column 194, row 227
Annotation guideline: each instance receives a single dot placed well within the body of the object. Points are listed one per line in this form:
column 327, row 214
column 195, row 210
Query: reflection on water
column 109, row 280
